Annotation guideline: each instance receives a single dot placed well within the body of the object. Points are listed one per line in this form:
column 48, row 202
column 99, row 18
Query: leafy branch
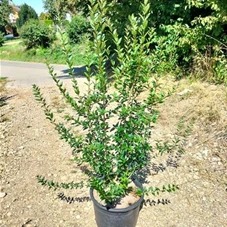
column 156, row 191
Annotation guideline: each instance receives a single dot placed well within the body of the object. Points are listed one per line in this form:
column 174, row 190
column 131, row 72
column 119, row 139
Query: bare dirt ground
column 29, row 146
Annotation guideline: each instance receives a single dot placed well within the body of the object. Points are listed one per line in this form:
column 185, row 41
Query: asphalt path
column 24, row 74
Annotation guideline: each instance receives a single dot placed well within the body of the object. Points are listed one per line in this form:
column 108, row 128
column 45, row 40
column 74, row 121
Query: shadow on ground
column 3, row 99
column 77, row 71
column 69, row 199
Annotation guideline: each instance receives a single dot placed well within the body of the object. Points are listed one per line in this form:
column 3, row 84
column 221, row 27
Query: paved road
column 24, row 74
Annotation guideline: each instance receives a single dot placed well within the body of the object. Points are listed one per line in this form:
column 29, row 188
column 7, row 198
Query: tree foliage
column 44, row 16
column 26, row 12
column 191, row 34
column 2, row 39
column 186, row 32
column 77, row 28
column 36, row 33
column 4, row 14
column 58, row 8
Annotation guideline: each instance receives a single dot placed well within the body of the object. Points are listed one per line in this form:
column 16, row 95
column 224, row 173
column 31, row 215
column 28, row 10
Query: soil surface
column 196, row 113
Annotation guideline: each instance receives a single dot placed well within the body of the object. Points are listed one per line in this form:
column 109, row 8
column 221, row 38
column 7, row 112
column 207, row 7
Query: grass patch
column 12, row 40
column 205, row 103
column 17, row 52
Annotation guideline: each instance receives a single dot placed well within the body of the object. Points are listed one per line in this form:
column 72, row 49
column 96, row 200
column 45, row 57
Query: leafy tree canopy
column 58, row 8
column 36, row 33
column 26, row 12
column 4, row 14
column 45, row 16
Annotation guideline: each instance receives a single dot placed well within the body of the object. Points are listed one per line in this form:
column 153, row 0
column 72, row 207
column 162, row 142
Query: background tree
column 77, row 28
column 188, row 34
column 26, row 12
column 4, row 14
column 44, row 16
column 188, row 29
column 2, row 40
column 36, row 33
column 58, row 8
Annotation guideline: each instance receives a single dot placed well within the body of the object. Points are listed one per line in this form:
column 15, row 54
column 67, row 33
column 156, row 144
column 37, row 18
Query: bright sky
column 37, row 5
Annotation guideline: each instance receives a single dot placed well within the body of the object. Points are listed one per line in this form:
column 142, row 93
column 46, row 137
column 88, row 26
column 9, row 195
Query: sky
column 37, row 5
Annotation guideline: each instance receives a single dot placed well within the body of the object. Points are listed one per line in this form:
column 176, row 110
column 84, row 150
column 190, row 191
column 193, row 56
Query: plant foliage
column 4, row 14
column 26, row 12
column 36, row 33
column 115, row 115
column 77, row 28
column 59, row 8
column 186, row 33
column 2, row 39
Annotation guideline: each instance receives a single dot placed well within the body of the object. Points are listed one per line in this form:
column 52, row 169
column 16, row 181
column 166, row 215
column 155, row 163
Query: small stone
column 196, row 176
column 3, row 194
column 72, row 212
column 20, row 148
column 28, row 225
column 216, row 159
column 202, row 155
column 205, row 152
column 198, row 156
column 77, row 216
column 184, row 92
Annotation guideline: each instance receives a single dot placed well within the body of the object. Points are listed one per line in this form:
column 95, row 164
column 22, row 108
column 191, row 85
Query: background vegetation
column 36, row 33
column 189, row 38
column 26, row 13
column 2, row 39
column 17, row 51
column 77, row 28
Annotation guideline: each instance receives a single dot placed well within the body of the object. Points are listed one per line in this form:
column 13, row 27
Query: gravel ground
column 30, row 146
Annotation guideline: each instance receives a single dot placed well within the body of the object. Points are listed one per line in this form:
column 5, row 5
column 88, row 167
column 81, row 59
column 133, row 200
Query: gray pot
column 126, row 217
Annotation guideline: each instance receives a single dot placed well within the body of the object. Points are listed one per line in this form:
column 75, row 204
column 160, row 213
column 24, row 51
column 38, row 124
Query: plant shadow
column 78, row 72
column 154, row 168
column 70, row 199
column 4, row 99
column 156, row 202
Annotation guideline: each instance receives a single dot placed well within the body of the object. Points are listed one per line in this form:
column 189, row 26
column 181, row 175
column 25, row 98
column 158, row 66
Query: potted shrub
column 115, row 117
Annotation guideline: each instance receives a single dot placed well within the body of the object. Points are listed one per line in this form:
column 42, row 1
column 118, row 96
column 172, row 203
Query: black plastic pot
column 126, row 217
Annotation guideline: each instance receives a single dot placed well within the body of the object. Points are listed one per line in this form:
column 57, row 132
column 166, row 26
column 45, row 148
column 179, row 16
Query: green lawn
column 14, row 50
